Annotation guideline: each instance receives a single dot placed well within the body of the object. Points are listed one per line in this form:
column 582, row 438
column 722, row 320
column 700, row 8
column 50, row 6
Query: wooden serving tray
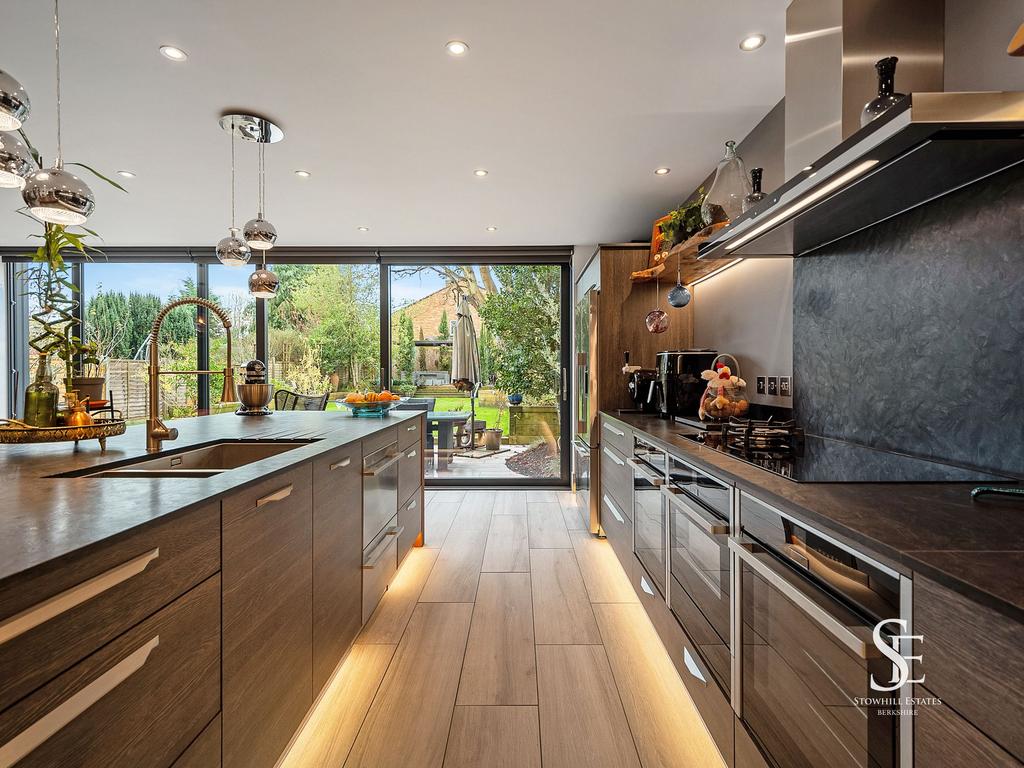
column 13, row 432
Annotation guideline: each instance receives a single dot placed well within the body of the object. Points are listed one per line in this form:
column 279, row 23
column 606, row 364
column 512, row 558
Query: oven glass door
column 806, row 661
column 700, row 591
column 649, row 510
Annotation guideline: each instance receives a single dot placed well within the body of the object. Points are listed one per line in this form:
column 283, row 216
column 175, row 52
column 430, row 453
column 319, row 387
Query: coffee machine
column 679, row 386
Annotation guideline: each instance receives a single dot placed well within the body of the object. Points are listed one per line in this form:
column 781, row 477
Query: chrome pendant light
column 14, row 103
column 259, row 233
column 231, row 251
column 15, row 161
column 263, row 283
column 55, row 195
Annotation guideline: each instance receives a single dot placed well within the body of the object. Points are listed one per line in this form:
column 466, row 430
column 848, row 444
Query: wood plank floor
column 512, row 640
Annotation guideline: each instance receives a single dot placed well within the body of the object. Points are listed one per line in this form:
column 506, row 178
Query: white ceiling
column 569, row 105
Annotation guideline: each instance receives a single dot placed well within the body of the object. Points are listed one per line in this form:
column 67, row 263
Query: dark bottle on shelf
column 886, row 69
column 756, row 195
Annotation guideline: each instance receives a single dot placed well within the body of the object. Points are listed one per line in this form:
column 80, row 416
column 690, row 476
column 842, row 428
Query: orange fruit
column 353, row 397
column 371, row 397
column 385, row 394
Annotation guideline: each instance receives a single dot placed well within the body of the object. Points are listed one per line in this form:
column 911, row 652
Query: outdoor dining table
column 444, row 423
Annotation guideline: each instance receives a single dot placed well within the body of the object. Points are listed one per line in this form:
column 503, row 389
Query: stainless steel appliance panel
column 582, row 474
column 712, row 493
column 380, row 490
column 649, row 528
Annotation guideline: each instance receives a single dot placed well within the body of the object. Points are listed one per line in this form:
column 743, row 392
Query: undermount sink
column 203, row 461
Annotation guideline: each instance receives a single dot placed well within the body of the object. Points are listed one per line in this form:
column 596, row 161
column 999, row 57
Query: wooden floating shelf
column 686, row 253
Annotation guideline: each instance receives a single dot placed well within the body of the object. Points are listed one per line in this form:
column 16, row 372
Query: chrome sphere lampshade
column 259, row 234
column 15, row 161
column 263, row 283
column 14, row 103
column 231, row 251
column 57, row 196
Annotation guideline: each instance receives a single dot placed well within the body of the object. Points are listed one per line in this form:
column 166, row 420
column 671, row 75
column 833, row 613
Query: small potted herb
column 684, row 222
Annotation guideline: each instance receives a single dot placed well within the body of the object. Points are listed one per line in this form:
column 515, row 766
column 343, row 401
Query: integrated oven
column 806, row 657
column 649, row 530
column 699, row 512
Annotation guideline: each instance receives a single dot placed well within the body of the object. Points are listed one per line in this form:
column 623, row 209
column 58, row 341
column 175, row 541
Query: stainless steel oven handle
column 378, row 552
column 613, row 457
column 777, row 578
column 676, row 498
column 652, row 478
column 614, row 510
column 380, row 466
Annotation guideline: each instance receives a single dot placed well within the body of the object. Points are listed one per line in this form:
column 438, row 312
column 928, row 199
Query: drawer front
column 711, row 703
column 943, row 739
column 292, row 483
column 410, row 432
column 53, row 621
column 139, row 700
column 617, row 478
column 410, row 523
column 410, row 472
column 380, row 561
column 972, row 659
column 383, row 438
column 618, row 528
column 337, row 558
column 616, row 435
column 747, row 753
column 204, row 752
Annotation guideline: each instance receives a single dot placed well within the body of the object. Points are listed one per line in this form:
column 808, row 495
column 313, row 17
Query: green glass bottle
column 41, row 397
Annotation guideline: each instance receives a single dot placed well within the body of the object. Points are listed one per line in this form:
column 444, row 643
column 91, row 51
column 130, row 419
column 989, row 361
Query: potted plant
column 89, row 382
column 684, row 222
column 492, row 435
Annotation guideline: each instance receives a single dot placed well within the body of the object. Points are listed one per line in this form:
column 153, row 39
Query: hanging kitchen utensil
column 657, row 319
column 679, row 296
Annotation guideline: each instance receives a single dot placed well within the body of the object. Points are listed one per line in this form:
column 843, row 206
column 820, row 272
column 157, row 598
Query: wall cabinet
column 267, row 616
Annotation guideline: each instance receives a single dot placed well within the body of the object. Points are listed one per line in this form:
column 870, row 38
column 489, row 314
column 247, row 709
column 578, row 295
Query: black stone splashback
column 909, row 336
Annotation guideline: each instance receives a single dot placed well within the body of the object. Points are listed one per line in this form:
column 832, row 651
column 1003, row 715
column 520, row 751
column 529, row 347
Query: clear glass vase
column 41, row 396
column 724, row 201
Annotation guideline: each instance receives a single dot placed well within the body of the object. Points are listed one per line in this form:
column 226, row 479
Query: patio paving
column 465, row 467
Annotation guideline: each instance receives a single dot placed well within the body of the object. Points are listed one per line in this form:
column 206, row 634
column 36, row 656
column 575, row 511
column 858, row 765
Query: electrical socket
column 773, row 386
column 786, row 386
column 762, row 385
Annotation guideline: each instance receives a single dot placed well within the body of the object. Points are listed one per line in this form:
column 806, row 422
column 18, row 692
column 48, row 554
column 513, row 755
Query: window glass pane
column 121, row 300
column 324, row 328
column 229, row 289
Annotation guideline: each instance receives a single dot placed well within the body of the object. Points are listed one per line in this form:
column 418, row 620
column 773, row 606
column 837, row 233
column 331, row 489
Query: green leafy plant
column 685, row 221
column 48, row 280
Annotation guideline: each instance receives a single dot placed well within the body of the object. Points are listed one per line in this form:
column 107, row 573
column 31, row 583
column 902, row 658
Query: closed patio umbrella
column 466, row 360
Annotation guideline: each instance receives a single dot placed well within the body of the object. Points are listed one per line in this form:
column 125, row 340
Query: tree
column 487, row 352
column 444, row 354
column 404, row 347
column 422, row 356
column 476, row 283
column 524, row 316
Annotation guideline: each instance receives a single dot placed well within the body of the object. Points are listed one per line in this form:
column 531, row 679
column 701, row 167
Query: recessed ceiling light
column 456, row 47
column 173, row 53
column 492, row 229
column 126, row 174
column 481, row 172
column 363, row 229
column 662, row 171
column 303, row 174
column 752, row 42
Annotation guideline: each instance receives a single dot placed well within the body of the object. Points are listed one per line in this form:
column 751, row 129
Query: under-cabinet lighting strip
column 798, row 206
column 722, row 268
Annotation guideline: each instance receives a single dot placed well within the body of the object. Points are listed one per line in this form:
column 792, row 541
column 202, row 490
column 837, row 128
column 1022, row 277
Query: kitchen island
column 181, row 618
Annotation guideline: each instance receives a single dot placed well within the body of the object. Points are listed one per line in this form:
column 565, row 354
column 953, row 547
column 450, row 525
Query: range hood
column 924, row 147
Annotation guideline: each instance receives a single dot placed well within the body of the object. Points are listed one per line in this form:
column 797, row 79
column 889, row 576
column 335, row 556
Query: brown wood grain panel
column 407, row 724
column 410, row 472
column 204, row 752
column 189, row 545
column 337, row 558
column 561, row 607
column 388, row 622
column 385, row 437
column 500, row 666
column 457, row 569
column 617, row 479
column 267, row 624
column 495, row 737
column 410, row 521
column 747, row 754
column 973, row 659
column 332, row 726
column 943, row 739
column 581, row 718
column 547, row 528
column 155, row 713
column 411, row 433
column 508, row 544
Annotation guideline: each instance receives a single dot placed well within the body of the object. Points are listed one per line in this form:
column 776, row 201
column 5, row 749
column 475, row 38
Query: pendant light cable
column 56, row 35
column 232, row 179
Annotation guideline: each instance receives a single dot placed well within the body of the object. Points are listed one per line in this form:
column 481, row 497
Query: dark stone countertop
column 43, row 519
column 931, row 529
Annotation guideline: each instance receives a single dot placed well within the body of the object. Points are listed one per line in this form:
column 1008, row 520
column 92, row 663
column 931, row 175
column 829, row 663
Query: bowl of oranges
column 370, row 403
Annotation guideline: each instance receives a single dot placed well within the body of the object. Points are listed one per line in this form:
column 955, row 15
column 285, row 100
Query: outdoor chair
column 286, row 400
column 464, row 438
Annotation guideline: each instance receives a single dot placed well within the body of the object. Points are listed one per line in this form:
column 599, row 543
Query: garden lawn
column 484, row 412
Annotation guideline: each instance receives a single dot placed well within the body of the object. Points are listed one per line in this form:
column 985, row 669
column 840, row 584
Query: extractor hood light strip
column 721, row 269
column 799, row 205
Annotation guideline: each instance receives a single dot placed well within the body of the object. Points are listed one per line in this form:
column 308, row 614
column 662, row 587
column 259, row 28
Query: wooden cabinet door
column 337, row 557
column 267, row 616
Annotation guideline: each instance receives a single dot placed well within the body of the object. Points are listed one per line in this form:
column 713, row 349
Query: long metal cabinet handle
column 614, row 431
column 280, row 493
column 411, row 454
column 613, row 457
column 615, row 512
column 411, row 504
column 676, row 498
column 381, row 466
column 42, row 612
column 652, row 478
column 58, row 717
column 411, row 428
column 377, row 554
column 343, row 463
column 822, row 617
